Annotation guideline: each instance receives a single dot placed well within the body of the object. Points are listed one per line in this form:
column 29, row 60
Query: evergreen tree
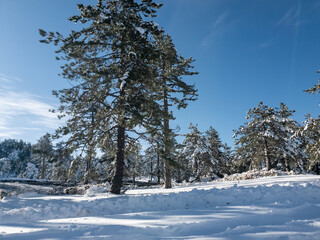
column 204, row 154
column 196, row 154
column 266, row 139
column 171, row 68
column 219, row 153
column 110, row 62
column 315, row 88
column 133, row 163
column 291, row 150
column 15, row 156
column 61, row 162
column 310, row 133
column 153, row 165
column 107, row 166
column 42, row 153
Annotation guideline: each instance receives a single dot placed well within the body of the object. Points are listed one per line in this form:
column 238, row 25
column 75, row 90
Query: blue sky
column 246, row 51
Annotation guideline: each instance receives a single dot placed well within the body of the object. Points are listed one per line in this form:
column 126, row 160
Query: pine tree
column 266, row 139
column 219, row 153
column 61, row 162
column 315, row 88
column 133, row 163
column 153, row 165
column 196, row 154
column 110, row 62
column 42, row 154
column 171, row 68
column 310, row 133
column 204, row 155
column 290, row 150
column 15, row 156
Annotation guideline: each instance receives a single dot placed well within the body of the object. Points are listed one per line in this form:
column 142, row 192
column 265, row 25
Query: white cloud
column 23, row 114
column 221, row 18
column 291, row 17
column 218, row 28
column 7, row 78
column 7, row 82
column 16, row 104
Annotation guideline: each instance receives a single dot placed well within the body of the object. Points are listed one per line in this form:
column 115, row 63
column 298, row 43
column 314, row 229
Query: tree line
column 269, row 139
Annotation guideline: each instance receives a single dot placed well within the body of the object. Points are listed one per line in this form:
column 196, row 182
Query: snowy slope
column 283, row 207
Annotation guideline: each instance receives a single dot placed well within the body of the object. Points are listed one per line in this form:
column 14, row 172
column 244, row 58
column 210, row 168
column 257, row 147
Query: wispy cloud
column 7, row 78
column 7, row 82
column 8, row 132
column 219, row 21
column 291, row 17
column 218, row 27
column 22, row 112
column 265, row 44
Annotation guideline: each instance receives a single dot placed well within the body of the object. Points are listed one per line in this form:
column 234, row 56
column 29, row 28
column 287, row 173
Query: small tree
column 196, row 154
column 42, row 154
column 310, row 133
column 133, row 162
column 219, row 153
column 61, row 162
column 153, row 165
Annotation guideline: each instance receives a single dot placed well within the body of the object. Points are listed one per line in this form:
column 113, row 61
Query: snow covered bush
column 98, row 189
column 254, row 174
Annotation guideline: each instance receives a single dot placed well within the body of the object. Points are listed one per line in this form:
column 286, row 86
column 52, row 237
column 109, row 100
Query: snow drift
column 245, row 209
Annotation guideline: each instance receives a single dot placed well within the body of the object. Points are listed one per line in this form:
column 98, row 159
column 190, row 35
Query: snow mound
column 254, row 174
column 11, row 189
column 98, row 189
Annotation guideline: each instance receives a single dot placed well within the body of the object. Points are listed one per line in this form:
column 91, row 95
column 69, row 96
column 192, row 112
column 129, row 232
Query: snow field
column 284, row 207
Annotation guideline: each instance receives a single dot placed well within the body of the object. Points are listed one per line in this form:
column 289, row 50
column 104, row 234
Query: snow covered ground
column 279, row 207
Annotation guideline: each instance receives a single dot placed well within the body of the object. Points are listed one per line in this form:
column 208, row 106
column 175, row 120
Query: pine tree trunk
column 134, row 173
column 118, row 176
column 43, row 167
column 158, row 164
column 317, row 169
column 151, row 170
column 167, row 167
column 87, row 175
column 90, row 147
column 119, row 166
column 196, row 167
column 179, row 175
column 286, row 163
column 267, row 156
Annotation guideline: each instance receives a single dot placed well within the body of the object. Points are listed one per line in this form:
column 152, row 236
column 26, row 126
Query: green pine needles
column 124, row 72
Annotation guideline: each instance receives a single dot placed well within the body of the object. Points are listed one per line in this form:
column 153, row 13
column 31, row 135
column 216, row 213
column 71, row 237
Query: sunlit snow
column 279, row 207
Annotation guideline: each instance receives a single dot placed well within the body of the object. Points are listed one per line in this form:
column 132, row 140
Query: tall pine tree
column 109, row 61
column 172, row 67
